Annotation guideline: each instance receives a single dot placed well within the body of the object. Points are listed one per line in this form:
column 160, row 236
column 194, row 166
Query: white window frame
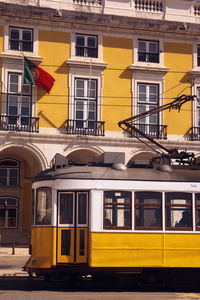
column 18, row 52
column 99, row 36
column 148, row 104
column 83, row 73
column 146, row 79
column 8, row 168
column 85, row 47
column 17, row 67
column 20, row 93
column 20, row 40
column 86, row 100
column 196, row 106
column 136, row 62
column 16, row 207
column 147, row 52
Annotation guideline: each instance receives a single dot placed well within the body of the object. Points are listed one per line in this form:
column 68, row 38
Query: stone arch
column 31, row 162
column 143, row 158
column 84, row 155
column 32, row 158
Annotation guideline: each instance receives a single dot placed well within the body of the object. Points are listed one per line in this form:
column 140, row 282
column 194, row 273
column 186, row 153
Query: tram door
column 72, row 242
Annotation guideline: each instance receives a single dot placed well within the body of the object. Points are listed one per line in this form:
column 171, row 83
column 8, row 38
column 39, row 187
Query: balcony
column 79, row 127
column 19, row 123
column 153, row 131
column 149, row 6
column 194, row 134
column 88, row 2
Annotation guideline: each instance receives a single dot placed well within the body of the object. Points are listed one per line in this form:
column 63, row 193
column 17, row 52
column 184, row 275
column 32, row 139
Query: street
column 24, row 288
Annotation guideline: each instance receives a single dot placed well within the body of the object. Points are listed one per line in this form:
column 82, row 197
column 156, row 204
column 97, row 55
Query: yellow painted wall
column 178, row 58
column 117, row 53
column 1, row 38
column 144, row 250
column 54, row 48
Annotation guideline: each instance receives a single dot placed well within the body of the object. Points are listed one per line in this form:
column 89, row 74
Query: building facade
column 111, row 59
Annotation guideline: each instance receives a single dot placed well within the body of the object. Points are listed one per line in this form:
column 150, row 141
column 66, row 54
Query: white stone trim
column 148, row 64
column 80, row 59
column 20, row 25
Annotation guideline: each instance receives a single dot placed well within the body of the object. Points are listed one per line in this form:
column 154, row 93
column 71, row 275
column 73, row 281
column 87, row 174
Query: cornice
column 150, row 69
column 86, row 64
column 24, row 137
column 19, row 57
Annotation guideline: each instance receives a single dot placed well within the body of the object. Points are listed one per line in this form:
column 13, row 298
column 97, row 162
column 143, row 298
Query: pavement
column 12, row 261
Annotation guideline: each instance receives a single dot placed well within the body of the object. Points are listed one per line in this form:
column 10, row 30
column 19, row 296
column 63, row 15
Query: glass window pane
column 79, row 115
column 153, row 47
column 148, row 216
column 148, row 198
column 27, row 35
column 82, row 208
column 91, row 42
column 43, row 207
column 13, row 177
column 80, row 40
column 14, row 78
column 12, row 220
column 148, row 210
column 3, row 177
column 14, row 33
column 198, row 50
column 11, row 201
column 197, row 210
column 66, row 208
column 65, row 242
column 178, row 210
column 2, row 217
column 9, row 163
column 117, row 210
column 142, row 46
column 80, row 84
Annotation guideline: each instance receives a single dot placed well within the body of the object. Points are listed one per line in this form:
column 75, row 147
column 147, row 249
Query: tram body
column 90, row 219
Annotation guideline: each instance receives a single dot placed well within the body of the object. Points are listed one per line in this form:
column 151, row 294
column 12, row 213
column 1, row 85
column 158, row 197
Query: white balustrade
column 149, row 5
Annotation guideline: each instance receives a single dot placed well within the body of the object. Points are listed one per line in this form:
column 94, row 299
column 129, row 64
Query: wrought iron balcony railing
column 194, row 134
column 154, row 131
column 19, row 123
column 80, row 127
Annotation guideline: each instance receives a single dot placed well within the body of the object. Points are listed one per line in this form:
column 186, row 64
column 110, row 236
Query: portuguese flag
column 35, row 75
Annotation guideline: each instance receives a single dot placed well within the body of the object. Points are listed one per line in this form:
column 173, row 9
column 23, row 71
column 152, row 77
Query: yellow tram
column 98, row 218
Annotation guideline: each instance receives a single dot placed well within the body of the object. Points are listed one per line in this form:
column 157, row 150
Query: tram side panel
column 43, row 255
column 115, row 248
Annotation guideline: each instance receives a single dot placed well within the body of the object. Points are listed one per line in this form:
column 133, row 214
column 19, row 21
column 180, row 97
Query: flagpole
column 23, row 68
column 90, row 74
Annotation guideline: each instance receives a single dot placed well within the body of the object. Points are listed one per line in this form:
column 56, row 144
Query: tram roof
column 87, row 172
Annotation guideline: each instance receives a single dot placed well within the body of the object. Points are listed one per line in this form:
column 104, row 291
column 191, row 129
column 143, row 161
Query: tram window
column 178, row 211
column 117, row 210
column 148, row 212
column 43, row 207
column 197, row 211
column 66, row 208
column 82, row 208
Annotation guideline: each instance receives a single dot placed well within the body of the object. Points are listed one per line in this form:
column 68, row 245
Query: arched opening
column 83, row 156
column 143, row 158
column 18, row 166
